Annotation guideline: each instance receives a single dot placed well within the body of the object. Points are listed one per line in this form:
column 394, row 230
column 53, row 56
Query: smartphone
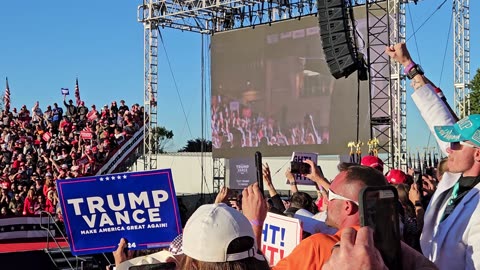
column 299, row 167
column 378, row 210
column 430, row 171
column 259, row 168
column 418, row 180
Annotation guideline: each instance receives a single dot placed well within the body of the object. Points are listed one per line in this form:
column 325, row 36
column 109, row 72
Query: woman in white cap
column 216, row 237
column 219, row 237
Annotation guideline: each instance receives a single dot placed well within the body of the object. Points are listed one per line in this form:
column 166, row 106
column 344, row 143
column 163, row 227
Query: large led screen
column 272, row 92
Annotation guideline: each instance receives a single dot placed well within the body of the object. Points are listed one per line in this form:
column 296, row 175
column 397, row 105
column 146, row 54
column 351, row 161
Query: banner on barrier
column 280, row 236
column 99, row 210
column 26, row 227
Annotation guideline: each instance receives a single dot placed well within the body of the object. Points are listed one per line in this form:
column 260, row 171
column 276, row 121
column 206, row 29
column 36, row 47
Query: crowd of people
column 438, row 211
column 237, row 125
column 324, row 221
column 40, row 146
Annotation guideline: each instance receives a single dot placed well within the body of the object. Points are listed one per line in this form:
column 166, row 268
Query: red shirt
column 46, row 190
column 16, row 164
column 6, row 184
column 28, row 205
column 49, row 207
column 66, row 126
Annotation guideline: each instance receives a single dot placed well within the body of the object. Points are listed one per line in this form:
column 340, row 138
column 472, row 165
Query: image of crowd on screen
column 235, row 125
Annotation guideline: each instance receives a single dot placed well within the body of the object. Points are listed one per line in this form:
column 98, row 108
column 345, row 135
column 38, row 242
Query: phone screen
column 299, row 167
column 378, row 210
column 418, row 180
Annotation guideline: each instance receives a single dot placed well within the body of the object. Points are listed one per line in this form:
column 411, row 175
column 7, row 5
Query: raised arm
column 255, row 209
column 267, row 178
column 317, row 176
column 433, row 109
column 291, row 180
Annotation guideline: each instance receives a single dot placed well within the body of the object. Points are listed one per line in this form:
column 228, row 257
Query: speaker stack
column 336, row 38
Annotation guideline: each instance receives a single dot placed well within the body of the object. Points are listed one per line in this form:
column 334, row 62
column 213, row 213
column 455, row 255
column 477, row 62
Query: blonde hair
column 236, row 245
column 245, row 264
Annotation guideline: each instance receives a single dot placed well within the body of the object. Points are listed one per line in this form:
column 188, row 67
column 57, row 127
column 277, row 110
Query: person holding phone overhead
column 342, row 212
column 451, row 232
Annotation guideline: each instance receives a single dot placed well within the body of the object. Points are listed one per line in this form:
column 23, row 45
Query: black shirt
column 466, row 183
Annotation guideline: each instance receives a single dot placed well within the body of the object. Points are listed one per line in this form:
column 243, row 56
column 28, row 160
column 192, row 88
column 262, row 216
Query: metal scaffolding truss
column 210, row 16
column 388, row 114
column 461, row 56
column 218, row 174
column 379, row 70
column 150, row 93
column 398, row 154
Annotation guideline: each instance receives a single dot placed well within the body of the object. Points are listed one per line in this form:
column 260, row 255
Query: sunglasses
column 333, row 196
column 457, row 145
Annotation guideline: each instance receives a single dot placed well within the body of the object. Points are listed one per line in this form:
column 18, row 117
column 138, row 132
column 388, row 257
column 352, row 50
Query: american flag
column 77, row 93
column 176, row 246
column 6, row 98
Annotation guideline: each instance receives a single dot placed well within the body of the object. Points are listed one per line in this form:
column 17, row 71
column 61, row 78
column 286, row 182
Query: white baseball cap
column 211, row 229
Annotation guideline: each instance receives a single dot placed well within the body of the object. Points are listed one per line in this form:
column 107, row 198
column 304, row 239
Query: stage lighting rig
column 210, row 16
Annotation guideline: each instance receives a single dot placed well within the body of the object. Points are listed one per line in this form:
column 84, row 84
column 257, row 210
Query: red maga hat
column 372, row 161
column 396, row 177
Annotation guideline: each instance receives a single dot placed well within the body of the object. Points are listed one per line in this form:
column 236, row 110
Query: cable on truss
column 426, row 20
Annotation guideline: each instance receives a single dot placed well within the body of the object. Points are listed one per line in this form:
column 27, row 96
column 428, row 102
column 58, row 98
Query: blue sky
column 46, row 44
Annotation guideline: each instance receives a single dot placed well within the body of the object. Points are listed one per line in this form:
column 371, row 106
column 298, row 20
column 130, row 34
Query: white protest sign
column 300, row 157
column 280, row 236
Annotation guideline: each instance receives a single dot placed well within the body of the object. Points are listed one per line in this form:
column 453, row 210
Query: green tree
column 162, row 139
column 195, row 145
column 475, row 94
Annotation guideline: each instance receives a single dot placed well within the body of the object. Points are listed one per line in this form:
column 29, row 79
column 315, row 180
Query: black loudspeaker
column 336, row 38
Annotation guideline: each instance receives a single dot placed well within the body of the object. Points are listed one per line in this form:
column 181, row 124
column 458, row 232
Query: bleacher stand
column 39, row 147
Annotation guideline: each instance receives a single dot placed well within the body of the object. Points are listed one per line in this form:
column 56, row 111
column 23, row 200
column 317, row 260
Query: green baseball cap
column 466, row 129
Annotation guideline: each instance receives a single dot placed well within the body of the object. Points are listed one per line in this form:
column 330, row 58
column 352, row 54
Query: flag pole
column 6, row 97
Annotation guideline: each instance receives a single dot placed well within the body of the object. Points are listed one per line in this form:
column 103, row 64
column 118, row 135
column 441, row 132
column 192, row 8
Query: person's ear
column 476, row 156
column 351, row 208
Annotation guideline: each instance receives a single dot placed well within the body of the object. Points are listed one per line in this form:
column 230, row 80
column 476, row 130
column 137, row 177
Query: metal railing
column 52, row 236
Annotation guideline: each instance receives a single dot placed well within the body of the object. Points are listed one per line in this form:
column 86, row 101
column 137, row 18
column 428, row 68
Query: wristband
column 255, row 222
column 439, row 93
column 414, row 71
column 418, row 204
column 407, row 69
